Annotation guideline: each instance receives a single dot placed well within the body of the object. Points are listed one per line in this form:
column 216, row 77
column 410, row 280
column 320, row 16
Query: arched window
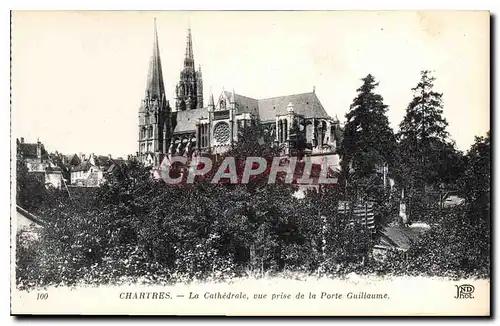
column 309, row 132
column 323, row 132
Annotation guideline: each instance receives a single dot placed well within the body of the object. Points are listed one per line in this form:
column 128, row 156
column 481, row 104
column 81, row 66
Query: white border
column 491, row 5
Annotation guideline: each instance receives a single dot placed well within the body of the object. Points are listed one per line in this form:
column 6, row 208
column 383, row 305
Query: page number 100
column 42, row 296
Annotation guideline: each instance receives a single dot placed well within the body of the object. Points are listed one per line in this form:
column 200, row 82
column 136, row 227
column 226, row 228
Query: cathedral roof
column 244, row 104
column 186, row 120
column 154, row 86
column 306, row 104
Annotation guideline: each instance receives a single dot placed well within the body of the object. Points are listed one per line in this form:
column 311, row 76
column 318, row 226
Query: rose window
column 221, row 132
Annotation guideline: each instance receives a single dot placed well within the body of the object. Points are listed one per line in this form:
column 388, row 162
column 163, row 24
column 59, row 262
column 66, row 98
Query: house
column 92, row 171
column 71, row 159
column 39, row 163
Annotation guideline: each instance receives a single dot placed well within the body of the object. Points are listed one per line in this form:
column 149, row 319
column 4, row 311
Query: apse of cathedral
column 185, row 127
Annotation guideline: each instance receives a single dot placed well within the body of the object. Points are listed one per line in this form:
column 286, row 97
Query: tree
column 476, row 181
column 368, row 141
column 30, row 188
column 423, row 136
column 454, row 247
column 427, row 158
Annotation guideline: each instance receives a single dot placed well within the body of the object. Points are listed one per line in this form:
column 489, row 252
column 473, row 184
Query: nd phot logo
column 464, row 291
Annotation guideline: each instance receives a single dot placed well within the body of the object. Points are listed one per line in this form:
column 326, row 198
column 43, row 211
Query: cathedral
column 185, row 126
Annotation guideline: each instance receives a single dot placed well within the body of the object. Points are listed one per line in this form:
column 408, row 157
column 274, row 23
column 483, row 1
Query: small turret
column 211, row 105
column 233, row 97
column 199, row 89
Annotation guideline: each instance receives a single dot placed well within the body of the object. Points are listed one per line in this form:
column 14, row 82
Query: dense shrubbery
column 454, row 247
column 138, row 227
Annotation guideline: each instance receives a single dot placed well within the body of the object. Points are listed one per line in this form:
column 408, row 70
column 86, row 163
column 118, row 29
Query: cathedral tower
column 154, row 112
column 189, row 90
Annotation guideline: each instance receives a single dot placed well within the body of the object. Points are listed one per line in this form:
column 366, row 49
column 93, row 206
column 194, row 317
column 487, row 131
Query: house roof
column 115, row 163
column 102, row 160
column 73, row 159
column 53, row 169
column 29, row 216
column 83, row 166
column 400, row 237
column 29, row 150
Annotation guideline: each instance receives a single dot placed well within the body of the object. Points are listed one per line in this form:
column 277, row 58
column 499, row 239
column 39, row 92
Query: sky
column 78, row 77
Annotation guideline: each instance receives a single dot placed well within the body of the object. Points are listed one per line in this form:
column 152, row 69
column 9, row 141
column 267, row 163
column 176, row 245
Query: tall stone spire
column 155, row 87
column 189, row 90
column 189, row 58
column 154, row 112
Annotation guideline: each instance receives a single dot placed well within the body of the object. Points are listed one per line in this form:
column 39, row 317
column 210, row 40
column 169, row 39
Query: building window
column 221, row 132
column 150, row 132
column 222, row 104
column 204, row 135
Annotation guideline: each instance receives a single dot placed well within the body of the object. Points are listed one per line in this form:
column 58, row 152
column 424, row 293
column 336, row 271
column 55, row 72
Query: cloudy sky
column 78, row 77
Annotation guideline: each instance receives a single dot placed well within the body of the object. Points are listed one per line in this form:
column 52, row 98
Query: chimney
column 22, row 140
column 38, row 149
column 83, row 157
column 314, row 89
column 109, row 156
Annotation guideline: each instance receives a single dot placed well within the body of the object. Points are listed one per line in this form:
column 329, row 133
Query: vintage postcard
column 250, row 163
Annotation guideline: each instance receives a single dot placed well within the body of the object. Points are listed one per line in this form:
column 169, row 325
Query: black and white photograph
column 251, row 163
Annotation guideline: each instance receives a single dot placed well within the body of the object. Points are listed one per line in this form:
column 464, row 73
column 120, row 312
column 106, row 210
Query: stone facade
column 190, row 129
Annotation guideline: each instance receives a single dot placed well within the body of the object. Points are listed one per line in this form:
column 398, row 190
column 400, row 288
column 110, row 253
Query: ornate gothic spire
column 211, row 99
column 154, row 86
column 189, row 59
column 233, row 97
